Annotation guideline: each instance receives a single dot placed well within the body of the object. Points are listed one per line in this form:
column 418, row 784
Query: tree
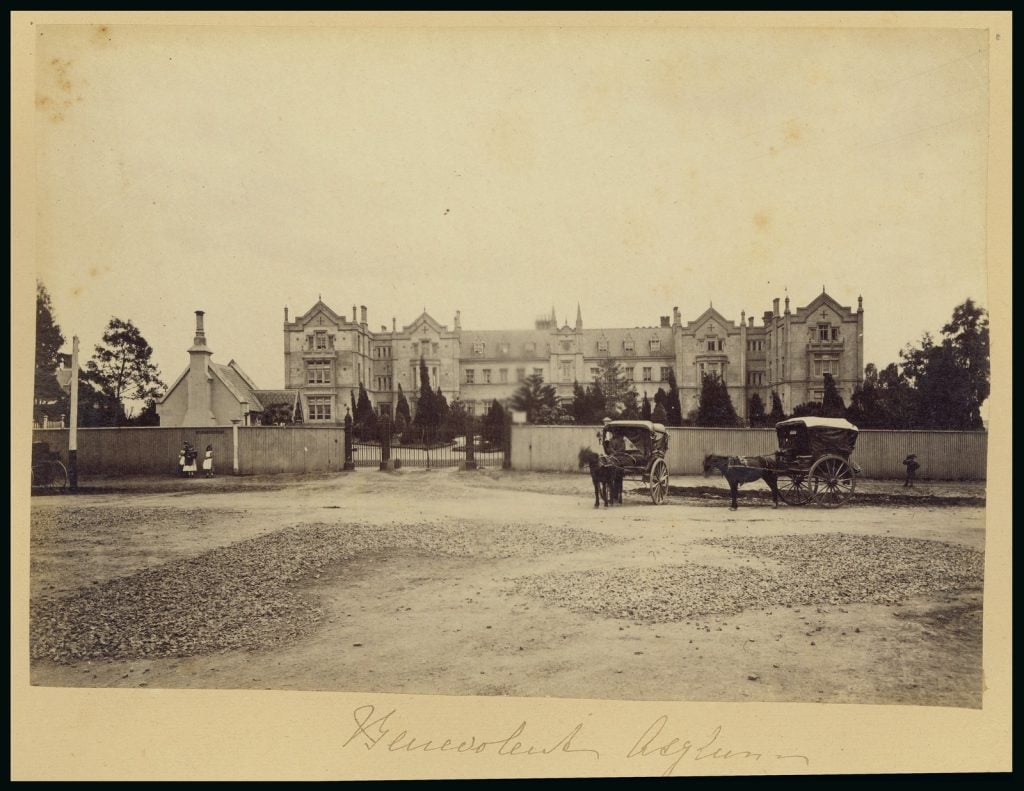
column 645, row 408
column 951, row 377
column 364, row 421
column 121, row 366
column 580, row 406
column 808, row 409
column 832, row 403
column 673, row 409
column 755, row 410
column 658, row 415
column 352, row 398
column 147, row 417
column 552, row 415
column 445, row 429
column 777, row 413
column 619, row 394
column 533, row 395
column 276, row 415
column 492, row 428
column 402, row 408
column 426, row 419
column 715, row 408
column 97, row 409
column 659, row 399
column 49, row 398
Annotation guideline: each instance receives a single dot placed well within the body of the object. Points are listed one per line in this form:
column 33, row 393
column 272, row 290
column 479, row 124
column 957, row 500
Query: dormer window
column 602, row 345
column 628, row 346
column 503, row 348
column 530, row 348
column 478, row 348
column 655, row 344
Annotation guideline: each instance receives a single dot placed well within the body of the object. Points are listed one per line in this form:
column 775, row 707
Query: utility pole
column 73, row 428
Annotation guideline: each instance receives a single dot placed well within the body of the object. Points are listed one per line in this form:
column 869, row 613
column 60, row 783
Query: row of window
column 486, row 375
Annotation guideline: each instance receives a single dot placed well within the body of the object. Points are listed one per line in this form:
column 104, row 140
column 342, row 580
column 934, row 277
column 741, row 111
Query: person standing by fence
column 181, row 460
column 912, row 467
column 208, row 462
column 190, row 461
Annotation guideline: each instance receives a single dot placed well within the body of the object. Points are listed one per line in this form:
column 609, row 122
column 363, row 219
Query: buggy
column 813, row 460
column 48, row 472
column 637, row 448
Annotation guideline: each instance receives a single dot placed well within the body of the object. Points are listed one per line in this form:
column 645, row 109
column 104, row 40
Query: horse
column 739, row 470
column 607, row 478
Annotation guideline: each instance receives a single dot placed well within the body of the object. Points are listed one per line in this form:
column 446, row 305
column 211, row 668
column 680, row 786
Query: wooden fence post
column 506, row 461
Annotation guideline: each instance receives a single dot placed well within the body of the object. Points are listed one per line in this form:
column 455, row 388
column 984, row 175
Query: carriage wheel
column 49, row 475
column 833, row 481
column 657, row 479
column 795, row 488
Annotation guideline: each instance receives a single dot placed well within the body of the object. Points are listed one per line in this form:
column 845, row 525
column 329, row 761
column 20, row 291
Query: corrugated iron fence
column 153, row 450
column 943, row 455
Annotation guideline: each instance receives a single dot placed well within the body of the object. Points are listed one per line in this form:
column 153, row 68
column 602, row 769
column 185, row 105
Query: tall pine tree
column 673, row 409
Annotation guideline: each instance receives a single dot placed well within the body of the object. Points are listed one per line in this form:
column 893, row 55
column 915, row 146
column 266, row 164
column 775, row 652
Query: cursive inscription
column 653, row 743
column 379, row 732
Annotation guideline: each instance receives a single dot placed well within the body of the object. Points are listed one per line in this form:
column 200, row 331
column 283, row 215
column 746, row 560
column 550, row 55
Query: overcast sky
column 502, row 172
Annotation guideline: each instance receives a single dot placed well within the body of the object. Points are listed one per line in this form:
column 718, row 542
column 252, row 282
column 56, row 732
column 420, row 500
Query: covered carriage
column 637, row 448
column 813, row 460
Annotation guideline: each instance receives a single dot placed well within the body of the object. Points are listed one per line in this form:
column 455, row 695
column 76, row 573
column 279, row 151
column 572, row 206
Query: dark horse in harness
column 607, row 478
column 739, row 470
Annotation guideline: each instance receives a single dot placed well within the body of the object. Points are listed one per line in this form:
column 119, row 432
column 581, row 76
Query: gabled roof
column 237, row 384
column 425, row 318
column 319, row 307
column 271, row 398
column 711, row 314
column 823, row 299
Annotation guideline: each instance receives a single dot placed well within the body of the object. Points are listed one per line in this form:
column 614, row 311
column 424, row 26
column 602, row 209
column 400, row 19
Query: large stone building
column 327, row 356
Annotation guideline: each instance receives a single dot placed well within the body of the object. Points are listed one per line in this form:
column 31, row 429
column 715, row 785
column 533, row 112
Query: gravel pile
column 49, row 524
column 244, row 596
column 816, row 569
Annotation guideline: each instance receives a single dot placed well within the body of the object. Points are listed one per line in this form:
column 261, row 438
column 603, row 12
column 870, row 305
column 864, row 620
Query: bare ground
column 400, row 615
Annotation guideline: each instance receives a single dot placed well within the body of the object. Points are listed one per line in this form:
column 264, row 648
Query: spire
column 579, row 317
column 554, row 318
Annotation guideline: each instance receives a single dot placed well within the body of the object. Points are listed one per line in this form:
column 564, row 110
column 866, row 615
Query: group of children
column 187, row 458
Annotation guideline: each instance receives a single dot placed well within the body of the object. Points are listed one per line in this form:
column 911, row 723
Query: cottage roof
column 238, row 385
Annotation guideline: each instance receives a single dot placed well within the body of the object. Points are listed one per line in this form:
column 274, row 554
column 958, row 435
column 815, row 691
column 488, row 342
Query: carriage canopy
column 817, row 436
column 637, row 431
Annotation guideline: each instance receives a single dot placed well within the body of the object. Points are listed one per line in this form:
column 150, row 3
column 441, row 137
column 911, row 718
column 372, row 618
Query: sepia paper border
column 84, row 734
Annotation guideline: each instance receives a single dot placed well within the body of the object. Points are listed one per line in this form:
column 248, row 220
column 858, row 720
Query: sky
column 503, row 172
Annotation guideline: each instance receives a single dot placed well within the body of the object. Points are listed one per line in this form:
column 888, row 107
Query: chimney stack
column 787, row 305
column 767, row 318
column 285, row 314
column 750, row 321
column 458, row 320
column 362, row 315
column 665, row 321
column 676, row 317
column 775, row 306
column 394, row 324
column 198, row 411
column 353, row 314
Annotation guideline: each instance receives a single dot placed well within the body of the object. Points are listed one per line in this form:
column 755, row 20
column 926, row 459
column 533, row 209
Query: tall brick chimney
column 199, row 411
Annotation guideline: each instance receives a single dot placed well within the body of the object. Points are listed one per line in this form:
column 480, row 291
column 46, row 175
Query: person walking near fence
column 912, row 468
column 208, row 462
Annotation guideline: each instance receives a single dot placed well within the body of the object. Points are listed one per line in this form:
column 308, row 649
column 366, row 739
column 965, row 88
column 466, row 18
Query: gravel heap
column 243, row 596
column 48, row 525
column 833, row 568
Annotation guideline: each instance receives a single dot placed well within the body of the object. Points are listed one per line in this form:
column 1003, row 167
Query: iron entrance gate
column 378, row 453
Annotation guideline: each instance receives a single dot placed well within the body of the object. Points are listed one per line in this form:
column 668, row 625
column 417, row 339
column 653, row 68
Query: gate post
column 470, row 463
column 506, row 461
column 384, row 433
column 349, row 465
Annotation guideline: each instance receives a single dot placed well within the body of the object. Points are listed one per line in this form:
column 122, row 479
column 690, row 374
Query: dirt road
column 489, row 583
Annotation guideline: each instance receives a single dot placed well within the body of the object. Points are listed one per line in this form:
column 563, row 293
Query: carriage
column 813, row 460
column 637, row 449
column 48, row 472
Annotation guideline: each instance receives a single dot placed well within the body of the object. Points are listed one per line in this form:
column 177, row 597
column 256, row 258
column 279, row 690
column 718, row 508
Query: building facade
column 327, row 356
column 210, row 394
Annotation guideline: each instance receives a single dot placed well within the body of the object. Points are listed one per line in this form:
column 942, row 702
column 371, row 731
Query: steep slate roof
column 237, row 384
column 516, row 340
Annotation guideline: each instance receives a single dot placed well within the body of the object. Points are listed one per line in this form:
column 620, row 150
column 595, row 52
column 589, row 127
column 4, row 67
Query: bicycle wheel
column 49, row 475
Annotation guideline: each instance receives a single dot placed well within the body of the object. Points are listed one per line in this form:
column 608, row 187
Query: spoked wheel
column 795, row 488
column 49, row 475
column 657, row 480
column 833, row 481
